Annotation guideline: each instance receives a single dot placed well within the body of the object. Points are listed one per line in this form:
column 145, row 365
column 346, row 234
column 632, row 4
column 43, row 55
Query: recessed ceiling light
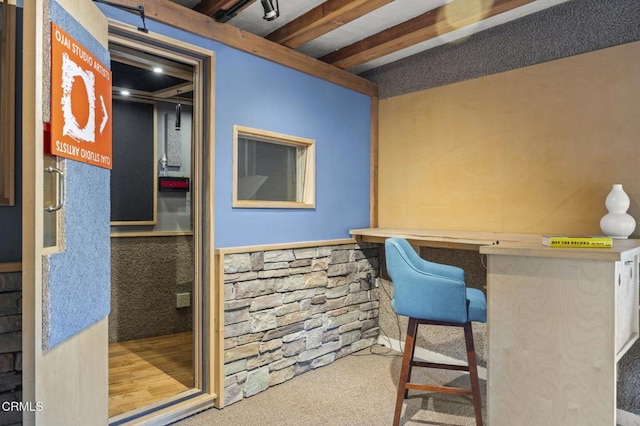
column 157, row 70
column 125, row 93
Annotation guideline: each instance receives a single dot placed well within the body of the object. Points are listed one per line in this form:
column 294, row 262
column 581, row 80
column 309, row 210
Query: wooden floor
column 148, row 370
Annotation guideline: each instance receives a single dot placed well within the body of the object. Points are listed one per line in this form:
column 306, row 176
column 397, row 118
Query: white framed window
column 272, row 170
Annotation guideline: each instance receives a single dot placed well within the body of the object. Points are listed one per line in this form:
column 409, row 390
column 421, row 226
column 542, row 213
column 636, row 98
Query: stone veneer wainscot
column 10, row 345
column 290, row 311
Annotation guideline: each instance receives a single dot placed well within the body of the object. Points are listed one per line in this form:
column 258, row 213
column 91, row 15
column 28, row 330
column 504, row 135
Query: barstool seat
column 434, row 294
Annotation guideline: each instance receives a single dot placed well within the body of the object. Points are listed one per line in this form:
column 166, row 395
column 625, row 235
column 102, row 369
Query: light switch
column 183, row 300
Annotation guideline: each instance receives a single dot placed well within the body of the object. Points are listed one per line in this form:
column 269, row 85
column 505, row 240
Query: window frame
column 308, row 182
column 7, row 105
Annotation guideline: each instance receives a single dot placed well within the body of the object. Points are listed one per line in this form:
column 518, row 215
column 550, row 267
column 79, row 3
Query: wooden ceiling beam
column 444, row 19
column 321, row 19
column 189, row 20
column 211, row 7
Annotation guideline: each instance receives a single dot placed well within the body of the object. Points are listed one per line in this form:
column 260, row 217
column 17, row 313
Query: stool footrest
column 408, row 362
column 439, row 389
column 439, row 365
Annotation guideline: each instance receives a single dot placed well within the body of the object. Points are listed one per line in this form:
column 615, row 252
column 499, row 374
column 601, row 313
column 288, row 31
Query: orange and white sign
column 80, row 102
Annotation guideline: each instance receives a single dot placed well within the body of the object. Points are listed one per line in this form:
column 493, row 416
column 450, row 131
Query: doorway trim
column 208, row 319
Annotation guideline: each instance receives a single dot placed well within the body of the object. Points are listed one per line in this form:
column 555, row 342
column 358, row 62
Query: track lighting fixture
column 178, row 110
column 139, row 10
column 270, row 13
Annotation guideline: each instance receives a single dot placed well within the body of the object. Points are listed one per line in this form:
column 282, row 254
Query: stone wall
column 291, row 311
column 10, row 346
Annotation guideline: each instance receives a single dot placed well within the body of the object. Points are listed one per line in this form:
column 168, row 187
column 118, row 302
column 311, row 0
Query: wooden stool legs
column 473, row 372
column 405, row 370
column 408, row 362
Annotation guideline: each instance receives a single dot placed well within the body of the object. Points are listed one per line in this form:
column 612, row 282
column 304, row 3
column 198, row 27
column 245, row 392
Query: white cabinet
column 558, row 322
column 627, row 323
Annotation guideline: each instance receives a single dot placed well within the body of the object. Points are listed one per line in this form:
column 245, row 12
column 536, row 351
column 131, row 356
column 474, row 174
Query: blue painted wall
column 254, row 92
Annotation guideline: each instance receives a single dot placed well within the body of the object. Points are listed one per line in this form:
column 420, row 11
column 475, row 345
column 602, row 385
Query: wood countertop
column 498, row 243
column 531, row 249
column 464, row 240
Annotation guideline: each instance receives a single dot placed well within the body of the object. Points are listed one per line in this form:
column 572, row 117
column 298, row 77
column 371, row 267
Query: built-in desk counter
column 460, row 240
column 558, row 322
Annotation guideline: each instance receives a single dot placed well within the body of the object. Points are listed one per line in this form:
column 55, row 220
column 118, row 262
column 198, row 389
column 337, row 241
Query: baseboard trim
column 10, row 267
column 625, row 418
column 283, row 246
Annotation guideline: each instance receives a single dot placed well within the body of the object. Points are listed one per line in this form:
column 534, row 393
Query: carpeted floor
column 359, row 389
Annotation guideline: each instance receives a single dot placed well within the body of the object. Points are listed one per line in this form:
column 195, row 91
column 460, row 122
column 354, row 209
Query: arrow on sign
column 105, row 115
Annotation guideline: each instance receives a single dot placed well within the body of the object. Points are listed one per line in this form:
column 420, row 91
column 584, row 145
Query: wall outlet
column 370, row 281
column 183, row 300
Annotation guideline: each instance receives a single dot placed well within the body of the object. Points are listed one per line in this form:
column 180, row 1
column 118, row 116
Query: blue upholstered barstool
column 435, row 294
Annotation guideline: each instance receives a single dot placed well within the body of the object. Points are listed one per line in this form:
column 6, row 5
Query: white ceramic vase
column 617, row 223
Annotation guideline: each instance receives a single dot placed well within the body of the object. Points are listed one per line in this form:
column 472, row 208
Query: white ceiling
column 394, row 13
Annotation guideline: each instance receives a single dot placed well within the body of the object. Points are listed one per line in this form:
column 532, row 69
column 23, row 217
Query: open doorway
column 158, row 192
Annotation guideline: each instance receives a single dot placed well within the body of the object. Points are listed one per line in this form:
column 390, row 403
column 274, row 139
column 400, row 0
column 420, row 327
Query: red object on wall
column 47, row 138
column 173, row 184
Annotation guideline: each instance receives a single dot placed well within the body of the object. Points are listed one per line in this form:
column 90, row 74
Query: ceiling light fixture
column 157, row 70
column 270, row 13
column 178, row 110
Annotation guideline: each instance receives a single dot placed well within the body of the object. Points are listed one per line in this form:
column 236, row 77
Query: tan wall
column 530, row 150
